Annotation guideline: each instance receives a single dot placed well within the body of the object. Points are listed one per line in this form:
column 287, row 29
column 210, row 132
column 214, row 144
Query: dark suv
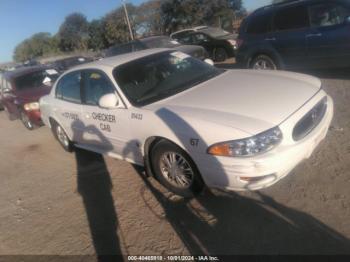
column 296, row 34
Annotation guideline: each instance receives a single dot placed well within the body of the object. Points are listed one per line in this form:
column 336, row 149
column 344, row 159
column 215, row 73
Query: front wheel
column 263, row 62
column 175, row 169
column 26, row 121
column 62, row 138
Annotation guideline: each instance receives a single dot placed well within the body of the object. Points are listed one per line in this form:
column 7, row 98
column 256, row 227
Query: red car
column 21, row 90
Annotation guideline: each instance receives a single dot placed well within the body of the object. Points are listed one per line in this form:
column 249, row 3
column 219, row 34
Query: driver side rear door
column 328, row 42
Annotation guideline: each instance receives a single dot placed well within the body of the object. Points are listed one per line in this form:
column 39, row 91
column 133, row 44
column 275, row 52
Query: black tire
column 59, row 133
column 263, row 62
column 26, row 121
column 220, row 54
column 184, row 171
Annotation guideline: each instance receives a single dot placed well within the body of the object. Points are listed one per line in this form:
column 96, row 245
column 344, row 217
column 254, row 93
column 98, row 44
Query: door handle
column 314, row 35
column 270, row 39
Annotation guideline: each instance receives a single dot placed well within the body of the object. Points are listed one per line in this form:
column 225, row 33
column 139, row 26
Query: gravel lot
column 53, row 202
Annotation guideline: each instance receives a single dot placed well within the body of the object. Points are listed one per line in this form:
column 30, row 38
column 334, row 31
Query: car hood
column 252, row 101
column 33, row 94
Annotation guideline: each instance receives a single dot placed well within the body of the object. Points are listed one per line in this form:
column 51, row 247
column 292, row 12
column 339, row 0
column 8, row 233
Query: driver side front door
column 106, row 130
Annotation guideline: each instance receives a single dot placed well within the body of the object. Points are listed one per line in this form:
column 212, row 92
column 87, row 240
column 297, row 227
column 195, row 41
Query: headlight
column 249, row 146
column 232, row 42
column 31, row 106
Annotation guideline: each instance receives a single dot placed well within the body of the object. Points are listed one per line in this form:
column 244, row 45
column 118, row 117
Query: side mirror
column 109, row 101
column 209, row 61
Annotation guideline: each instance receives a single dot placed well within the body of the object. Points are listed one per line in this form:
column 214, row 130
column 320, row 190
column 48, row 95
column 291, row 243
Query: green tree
column 97, row 35
column 178, row 14
column 148, row 20
column 73, row 34
column 116, row 27
column 40, row 44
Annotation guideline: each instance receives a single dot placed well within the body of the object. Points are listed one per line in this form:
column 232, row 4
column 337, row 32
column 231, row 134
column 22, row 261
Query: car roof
column 23, row 71
column 284, row 4
column 197, row 28
column 139, row 40
column 117, row 60
column 153, row 37
column 69, row 58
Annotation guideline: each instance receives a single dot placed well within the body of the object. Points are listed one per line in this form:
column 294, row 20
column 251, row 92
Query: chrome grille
column 310, row 120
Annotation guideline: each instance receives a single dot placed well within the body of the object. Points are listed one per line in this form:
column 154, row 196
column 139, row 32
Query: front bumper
column 35, row 117
column 268, row 168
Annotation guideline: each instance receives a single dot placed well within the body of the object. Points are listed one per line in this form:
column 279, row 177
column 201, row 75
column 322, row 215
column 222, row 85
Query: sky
column 20, row 19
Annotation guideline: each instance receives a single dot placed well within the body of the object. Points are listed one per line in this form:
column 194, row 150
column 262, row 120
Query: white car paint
column 234, row 105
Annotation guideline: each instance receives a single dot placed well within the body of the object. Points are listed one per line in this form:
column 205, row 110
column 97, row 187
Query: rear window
column 36, row 79
column 291, row 18
column 259, row 24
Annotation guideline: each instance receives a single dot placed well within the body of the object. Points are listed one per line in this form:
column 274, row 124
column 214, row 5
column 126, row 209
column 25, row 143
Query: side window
column 68, row 88
column 260, row 24
column 96, row 85
column 291, row 18
column 327, row 15
column 186, row 39
column 200, row 37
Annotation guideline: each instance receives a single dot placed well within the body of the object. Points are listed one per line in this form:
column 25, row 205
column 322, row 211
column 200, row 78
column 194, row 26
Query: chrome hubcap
column 176, row 170
column 62, row 137
column 26, row 121
column 263, row 65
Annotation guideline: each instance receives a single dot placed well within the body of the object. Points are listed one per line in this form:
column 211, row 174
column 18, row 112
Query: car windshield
column 155, row 77
column 36, row 79
column 214, row 32
column 159, row 42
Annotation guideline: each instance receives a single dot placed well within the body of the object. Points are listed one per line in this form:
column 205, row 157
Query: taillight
column 239, row 42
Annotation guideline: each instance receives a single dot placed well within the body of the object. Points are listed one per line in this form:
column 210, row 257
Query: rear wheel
column 175, row 169
column 263, row 62
column 220, row 54
column 62, row 137
column 26, row 121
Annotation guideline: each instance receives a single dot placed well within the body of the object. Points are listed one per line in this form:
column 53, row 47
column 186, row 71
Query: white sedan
column 189, row 123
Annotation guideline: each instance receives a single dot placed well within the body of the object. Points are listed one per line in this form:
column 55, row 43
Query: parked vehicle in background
column 296, row 34
column 156, row 42
column 190, row 123
column 1, row 79
column 31, row 62
column 67, row 63
column 219, row 43
column 21, row 90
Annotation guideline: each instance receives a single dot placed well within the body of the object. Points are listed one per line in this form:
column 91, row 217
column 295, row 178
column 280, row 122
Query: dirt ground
column 58, row 203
